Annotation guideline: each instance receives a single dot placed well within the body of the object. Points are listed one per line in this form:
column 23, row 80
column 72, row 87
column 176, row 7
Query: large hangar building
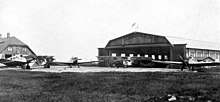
column 158, row 47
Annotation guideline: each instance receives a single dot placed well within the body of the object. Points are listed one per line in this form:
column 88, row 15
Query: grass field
column 23, row 86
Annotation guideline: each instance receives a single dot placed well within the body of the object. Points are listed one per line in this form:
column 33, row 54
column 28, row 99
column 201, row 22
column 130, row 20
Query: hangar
column 10, row 46
column 158, row 47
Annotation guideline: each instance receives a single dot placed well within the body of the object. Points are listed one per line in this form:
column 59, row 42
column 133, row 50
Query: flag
column 133, row 24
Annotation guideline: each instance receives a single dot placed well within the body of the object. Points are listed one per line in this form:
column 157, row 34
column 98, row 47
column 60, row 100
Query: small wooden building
column 10, row 46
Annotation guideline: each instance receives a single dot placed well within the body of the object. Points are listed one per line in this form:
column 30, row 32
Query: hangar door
column 140, row 44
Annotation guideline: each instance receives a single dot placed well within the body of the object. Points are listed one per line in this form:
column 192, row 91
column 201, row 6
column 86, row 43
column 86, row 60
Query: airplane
column 190, row 63
column 127, row 61
column 73, row 62
column 23, row 61
column 18, row 60
column 114, row 61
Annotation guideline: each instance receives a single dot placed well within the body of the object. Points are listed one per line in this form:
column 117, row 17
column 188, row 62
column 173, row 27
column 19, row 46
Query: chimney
column 8, row 35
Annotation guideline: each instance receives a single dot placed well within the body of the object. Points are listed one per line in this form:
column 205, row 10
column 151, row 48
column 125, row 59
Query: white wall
column 203, row 53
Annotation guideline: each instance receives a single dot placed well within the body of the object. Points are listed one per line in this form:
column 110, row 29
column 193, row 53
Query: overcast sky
column 66, row 28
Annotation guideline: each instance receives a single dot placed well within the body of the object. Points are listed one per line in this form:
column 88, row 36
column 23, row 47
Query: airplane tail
column 74, row 60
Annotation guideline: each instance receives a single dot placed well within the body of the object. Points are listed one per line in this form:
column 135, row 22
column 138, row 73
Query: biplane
column 74, row 61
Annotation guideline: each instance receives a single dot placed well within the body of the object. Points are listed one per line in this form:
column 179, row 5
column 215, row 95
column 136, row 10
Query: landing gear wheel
column 46, row 66
column 28, row 67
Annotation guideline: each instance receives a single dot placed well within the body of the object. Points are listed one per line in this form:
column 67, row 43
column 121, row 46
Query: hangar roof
column 194, row 43
column 142, row 39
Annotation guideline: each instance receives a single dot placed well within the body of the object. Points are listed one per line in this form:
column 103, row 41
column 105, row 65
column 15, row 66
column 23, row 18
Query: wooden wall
column 137, row 39
column 23, row 50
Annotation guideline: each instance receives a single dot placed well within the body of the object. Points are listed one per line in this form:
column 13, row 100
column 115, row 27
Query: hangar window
column 9, row 48
column 122, row 55
column 159, row 57
column 153, row 56
column 131, row 55
column 146, row 56
column 114, row 54
column 199, row 54
column 206, row 53
column 217, row 54
column 192, row 54
column 212, row 55
column 165, row 57
column 187, row 52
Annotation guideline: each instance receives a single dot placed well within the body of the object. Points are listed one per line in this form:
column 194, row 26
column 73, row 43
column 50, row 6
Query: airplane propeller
column 185, row 63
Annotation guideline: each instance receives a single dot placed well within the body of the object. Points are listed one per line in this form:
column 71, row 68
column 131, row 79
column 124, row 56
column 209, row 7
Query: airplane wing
column 12, row 63
column 204, row 63
column 190, row 64
column 60, row 63
column 91, row 62
column 69, row 63
column 167, row 62
column 43, row 57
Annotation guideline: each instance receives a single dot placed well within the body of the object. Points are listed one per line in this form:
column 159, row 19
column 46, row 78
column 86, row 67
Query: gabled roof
column 190, row 43
column 5, row 42
column 194, row 43
column 137, row 39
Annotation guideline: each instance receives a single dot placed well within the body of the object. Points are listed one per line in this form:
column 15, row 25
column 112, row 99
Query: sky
column 66, row 28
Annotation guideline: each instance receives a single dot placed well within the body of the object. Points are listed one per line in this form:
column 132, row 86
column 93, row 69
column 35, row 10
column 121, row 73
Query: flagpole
column 135, row 27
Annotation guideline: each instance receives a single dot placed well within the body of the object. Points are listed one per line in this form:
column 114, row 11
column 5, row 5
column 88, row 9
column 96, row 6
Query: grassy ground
column 22, row 86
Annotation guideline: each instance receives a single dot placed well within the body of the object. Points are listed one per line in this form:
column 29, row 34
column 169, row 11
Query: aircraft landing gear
column 46, row 66
column 28, row 67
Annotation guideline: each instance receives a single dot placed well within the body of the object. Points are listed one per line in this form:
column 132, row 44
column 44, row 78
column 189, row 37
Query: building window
column 166, row 57
column 199, row 54
column 113, row 54
column 9, row 48
column 153, row 56
column 187, row 53
column 217, row 55
column 206, row 53
column 159, row 57
column 192, row 54
column 24, row 49
column 212, row 55
column 122, row 55
column 145, row 55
